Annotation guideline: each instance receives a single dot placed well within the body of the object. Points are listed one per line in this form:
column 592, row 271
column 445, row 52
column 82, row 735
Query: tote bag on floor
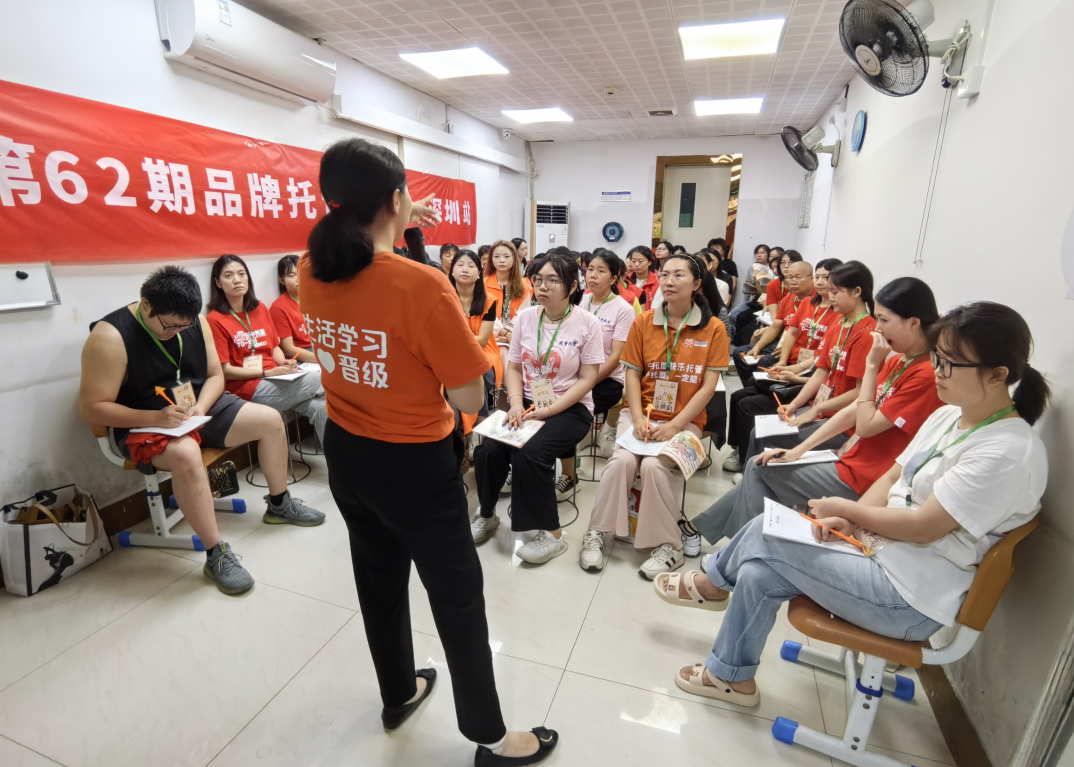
column 48, row 538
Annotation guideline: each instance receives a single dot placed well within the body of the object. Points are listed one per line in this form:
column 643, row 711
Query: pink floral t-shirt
column 579, row 343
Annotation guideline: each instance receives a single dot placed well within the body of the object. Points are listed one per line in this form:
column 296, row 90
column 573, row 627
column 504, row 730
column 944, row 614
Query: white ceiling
column 566, row 52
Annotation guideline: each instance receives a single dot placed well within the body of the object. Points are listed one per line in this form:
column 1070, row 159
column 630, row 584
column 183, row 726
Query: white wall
column 109, row 50
column 1001, row 203
column 577, row 172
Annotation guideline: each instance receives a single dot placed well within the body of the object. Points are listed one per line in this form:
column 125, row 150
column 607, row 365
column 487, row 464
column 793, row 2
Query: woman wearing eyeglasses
column 975, row 470
column 556, row 353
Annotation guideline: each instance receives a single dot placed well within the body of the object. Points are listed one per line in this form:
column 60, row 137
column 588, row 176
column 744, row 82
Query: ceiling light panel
column 527, row 116
column 705, row 108
column 746, row 38
column 464, row 62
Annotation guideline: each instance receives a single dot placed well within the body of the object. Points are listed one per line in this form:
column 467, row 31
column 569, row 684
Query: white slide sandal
column 722, row 691
column 666, row 586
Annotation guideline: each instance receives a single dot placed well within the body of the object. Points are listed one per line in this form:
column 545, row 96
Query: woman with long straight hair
column 975, row 470
column 249, row 347
column 385, row 387
column 505, row 282
column 678, row 350
column 480, row 311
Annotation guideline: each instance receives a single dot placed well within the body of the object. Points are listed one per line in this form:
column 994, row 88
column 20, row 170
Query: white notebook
column 788, row 524
column 810, row 456
column 195, row 422
column 760, row 375
column 772, row 426
column 494, row 427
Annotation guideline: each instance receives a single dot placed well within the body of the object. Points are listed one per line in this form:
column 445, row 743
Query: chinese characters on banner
column 85, row 181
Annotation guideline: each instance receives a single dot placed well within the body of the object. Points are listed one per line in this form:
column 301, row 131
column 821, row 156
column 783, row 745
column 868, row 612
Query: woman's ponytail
column 358, row 179
column 1032, row 394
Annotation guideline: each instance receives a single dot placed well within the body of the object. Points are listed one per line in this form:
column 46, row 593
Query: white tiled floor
column 139, row 661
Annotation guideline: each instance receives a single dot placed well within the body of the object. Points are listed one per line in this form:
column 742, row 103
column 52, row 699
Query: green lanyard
column 249, row 330
column 138, row 314
column 590, row 307
column 505, row 310
column 935, row 452
column 842, row 342
column 894, row 377
column 813, row 324
column 671, row 347
column 540, row 326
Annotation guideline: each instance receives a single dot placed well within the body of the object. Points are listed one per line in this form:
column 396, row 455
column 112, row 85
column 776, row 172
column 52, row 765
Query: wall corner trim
column 412, row 129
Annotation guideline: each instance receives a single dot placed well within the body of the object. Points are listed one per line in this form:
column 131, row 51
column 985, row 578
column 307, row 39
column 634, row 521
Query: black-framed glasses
column 551, row 282
column 945, row 367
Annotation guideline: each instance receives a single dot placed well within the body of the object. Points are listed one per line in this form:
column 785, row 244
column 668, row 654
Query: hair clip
column 333, row 205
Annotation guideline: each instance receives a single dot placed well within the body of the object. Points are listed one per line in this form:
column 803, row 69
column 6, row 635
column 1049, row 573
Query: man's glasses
column 945, row 367
column 550, row 282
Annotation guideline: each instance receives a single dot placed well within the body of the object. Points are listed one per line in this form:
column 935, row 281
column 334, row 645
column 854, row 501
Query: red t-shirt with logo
column 288, row 319
column 233, row 343
column 805, row 319
column 908, row 403
column 788, row 308
column 853, row 346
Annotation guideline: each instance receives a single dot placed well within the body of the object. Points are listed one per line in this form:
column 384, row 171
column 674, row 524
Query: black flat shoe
column 393, row 716
column 547, row 741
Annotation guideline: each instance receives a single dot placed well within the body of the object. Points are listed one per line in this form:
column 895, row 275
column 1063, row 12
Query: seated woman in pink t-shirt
column 556, row 352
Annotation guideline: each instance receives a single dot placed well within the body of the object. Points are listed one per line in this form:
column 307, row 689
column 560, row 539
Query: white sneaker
column 542, row 548
column 606, row 440
column 472, row 442
column 565, row 488
column 707, row 560
column 481, row 528
column 691, row 538
column 737, row 478
column 592, row 558
column 662, row 560
column 506, row 489
column 732, row 464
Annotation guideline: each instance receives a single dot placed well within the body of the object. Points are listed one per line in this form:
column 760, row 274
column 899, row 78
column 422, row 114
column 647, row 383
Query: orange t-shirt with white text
column 388, row 340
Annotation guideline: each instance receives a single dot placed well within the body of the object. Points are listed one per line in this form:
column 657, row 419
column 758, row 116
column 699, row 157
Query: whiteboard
column 37, row 291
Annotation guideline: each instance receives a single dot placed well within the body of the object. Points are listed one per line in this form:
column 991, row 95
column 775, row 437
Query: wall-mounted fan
column 886, row 43
column 612, row 231
column 804, row 149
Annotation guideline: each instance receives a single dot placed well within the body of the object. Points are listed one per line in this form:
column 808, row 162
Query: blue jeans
column 765, row 572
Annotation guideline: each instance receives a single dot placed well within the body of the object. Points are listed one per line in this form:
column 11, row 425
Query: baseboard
column 954, row 723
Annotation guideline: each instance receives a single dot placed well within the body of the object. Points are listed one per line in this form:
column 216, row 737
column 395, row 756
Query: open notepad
column 684, row 449
column 195, row 422
column 772, row 426
column 810, row 456
column 303, row 369
column 788, row 524
column 495, row 427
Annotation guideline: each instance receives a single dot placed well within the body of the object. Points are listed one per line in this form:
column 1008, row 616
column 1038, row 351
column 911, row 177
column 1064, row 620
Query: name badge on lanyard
column 183, row 395
column 543, row 393
column 252, row 362
column 823, row 395
column 805, row 357
column 665, row 395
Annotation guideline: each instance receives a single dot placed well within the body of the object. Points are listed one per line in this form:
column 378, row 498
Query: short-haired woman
column 287, row 316
column 642, row 267
column 555, row 354
column 249, row 348
column 975, row 470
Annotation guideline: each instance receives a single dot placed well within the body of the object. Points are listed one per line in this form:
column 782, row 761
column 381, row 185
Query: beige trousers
column 658, row 513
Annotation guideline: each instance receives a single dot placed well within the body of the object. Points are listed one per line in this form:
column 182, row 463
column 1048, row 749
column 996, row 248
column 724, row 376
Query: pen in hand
column 160, row 390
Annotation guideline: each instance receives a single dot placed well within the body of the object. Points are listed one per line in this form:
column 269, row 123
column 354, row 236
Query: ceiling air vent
column 552, row 213
column 663, row 112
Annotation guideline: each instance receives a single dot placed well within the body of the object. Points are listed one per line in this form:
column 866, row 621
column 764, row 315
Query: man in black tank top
column 163, row 342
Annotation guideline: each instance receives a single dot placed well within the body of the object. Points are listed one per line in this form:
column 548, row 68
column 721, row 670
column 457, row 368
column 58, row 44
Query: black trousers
column 606, row 395
column 746, row 405
column 533, row 470
column 392, row 520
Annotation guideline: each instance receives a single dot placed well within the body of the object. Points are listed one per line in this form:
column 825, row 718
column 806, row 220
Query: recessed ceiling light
column 728, row 106
column 746, row 38
column 464, row 62
column 525, row 116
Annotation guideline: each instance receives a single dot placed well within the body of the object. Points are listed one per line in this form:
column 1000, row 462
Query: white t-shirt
column 579, row 343
column 615, row 318
column 990, row 483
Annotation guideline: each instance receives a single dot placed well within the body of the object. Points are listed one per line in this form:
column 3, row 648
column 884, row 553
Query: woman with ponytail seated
column 556, row 352
column 393, row 458
column 678, row 348
column 287, row 317
column 898, row 393
column 975, row 470
column 505, row 283
column 480, row 311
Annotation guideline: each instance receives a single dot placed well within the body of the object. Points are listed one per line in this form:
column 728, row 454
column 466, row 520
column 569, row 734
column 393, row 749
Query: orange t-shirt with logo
column 233, row 339
column 699, row 349
column 388, row 340
column 518, row 303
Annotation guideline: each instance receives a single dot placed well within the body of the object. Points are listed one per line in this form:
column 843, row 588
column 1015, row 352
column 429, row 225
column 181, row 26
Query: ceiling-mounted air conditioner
column 228, row 40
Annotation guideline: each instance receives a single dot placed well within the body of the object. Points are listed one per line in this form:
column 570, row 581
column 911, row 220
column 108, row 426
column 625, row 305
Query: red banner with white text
column 85, row 181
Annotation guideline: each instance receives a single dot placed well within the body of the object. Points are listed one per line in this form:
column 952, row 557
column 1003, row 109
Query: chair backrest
column 993, row 574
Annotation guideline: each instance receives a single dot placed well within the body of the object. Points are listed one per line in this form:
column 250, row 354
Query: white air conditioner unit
column 553, row 226
column 226, row 39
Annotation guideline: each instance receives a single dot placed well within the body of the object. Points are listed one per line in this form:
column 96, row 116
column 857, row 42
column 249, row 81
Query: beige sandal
column 668, row 590
column 722, row 691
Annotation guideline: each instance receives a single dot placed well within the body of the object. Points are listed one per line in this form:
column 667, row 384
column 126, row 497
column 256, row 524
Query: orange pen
column 160, row 390
column 648, row 414
column 865, row 549
column 527, row 410
column 782, row 412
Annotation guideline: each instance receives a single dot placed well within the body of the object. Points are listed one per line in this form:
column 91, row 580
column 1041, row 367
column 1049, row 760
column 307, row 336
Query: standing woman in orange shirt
column 391, row 340
column 505, row 283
